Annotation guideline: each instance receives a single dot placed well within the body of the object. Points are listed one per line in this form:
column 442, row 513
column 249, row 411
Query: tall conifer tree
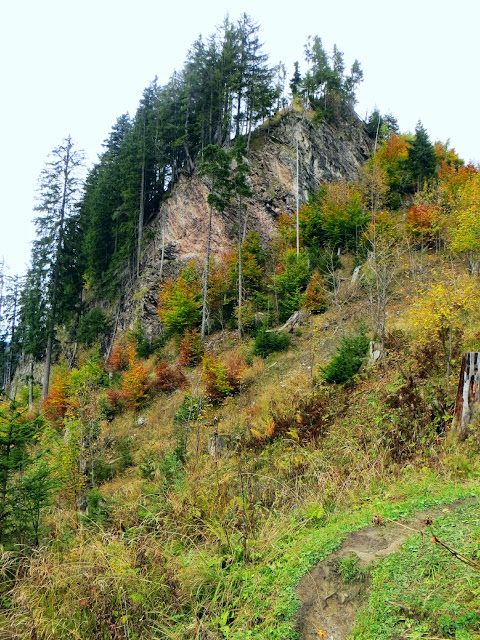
column 59, row 189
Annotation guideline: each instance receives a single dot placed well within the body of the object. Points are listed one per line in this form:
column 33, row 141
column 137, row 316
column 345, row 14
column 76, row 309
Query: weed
column 349, row 569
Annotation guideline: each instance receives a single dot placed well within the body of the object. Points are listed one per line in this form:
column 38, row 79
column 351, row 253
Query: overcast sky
column 74, row 67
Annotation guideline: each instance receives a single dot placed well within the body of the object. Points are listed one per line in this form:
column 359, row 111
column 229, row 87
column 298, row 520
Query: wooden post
column 468, row 394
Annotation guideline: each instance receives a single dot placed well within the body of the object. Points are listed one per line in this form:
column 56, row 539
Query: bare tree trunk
column 30, row 386
column 240, row 328
column 163, row 245
column 207, row 272
column 51, row 326
column 297, row 207
column 141, row 211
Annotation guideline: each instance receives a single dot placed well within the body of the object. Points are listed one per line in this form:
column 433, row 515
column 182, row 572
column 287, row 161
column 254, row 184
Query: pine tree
column 59, row 188
column 16, row 433
column 422, row 161
column 296, row 80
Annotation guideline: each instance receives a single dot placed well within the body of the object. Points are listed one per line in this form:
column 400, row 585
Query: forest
column 300, row 386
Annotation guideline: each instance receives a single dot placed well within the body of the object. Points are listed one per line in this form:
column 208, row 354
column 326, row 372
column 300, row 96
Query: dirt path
column 330, row 604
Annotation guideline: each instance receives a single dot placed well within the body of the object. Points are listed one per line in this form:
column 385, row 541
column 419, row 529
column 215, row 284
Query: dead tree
column 468, row 394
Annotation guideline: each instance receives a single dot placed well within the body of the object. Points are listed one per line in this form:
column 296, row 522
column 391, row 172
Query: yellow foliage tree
column 440, row 311
column 465, row 226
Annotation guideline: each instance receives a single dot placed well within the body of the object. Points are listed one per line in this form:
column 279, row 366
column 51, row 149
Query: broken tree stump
column 468, row 394
column 217, row 444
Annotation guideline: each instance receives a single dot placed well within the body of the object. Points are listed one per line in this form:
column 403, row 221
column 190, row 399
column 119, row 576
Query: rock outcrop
column 325, row 153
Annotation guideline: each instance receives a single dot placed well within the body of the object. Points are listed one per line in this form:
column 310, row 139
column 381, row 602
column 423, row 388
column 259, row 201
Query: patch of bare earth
column 329, row 605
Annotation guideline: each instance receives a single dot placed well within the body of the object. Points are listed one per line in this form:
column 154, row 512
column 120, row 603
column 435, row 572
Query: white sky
column 73, row 67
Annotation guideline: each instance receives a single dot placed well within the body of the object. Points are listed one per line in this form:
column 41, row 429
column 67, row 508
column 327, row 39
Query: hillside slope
column 326, row 153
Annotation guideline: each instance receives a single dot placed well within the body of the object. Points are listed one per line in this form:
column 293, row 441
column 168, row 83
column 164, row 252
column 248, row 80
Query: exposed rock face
column 325, row 154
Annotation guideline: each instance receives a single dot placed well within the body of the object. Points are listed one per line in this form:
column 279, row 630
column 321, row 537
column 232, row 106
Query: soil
column 329, row 604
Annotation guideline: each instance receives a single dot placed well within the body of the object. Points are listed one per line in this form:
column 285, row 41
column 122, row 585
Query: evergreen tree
column 296, row 80
column 59, row 188
column 326, row 87
column 379, row 126
column 16, row 434
column 10, row 337
column 105, row 223
column 422, row 161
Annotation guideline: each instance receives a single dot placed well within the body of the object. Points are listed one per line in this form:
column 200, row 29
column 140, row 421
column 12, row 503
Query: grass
column 424, row 592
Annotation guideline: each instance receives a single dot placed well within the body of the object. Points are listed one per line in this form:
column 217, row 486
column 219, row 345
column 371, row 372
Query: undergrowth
column 180, row 544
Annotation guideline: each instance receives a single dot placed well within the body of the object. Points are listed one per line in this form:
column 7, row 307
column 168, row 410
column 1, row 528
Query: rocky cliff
column 325, row 153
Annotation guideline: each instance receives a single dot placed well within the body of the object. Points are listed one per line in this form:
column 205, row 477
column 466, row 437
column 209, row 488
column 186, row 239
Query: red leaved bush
column 123, row 354
column 167, row 378
column 191, row 349
column 115, row 399
column 423, row 220
column 56, row 403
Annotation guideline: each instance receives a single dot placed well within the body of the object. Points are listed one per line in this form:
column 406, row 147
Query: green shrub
column 267, row 342
column 291, row 282
column 347, row 361
column 145, row 346
column 91, row 326
column 190, row 409
column 101, row 471
column 95, row 507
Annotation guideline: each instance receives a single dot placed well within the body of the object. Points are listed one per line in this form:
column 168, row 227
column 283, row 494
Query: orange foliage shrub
column 123, row 354
column 56, row 402
column 423, row 220
column 223, row 379
column 167, row 378
column 235, row 368
column 191, row 349
column 315, row 299
column 135, row 385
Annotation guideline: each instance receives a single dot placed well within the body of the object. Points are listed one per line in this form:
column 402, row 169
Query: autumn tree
column 439, row 313
column 180, row 301
column 334, row 216
column 464, row 228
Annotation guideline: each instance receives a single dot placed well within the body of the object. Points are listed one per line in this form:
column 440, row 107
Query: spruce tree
column 59, row 189
column 422, row 161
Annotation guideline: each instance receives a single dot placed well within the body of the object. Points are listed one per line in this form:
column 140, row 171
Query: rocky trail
column 329, row 604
